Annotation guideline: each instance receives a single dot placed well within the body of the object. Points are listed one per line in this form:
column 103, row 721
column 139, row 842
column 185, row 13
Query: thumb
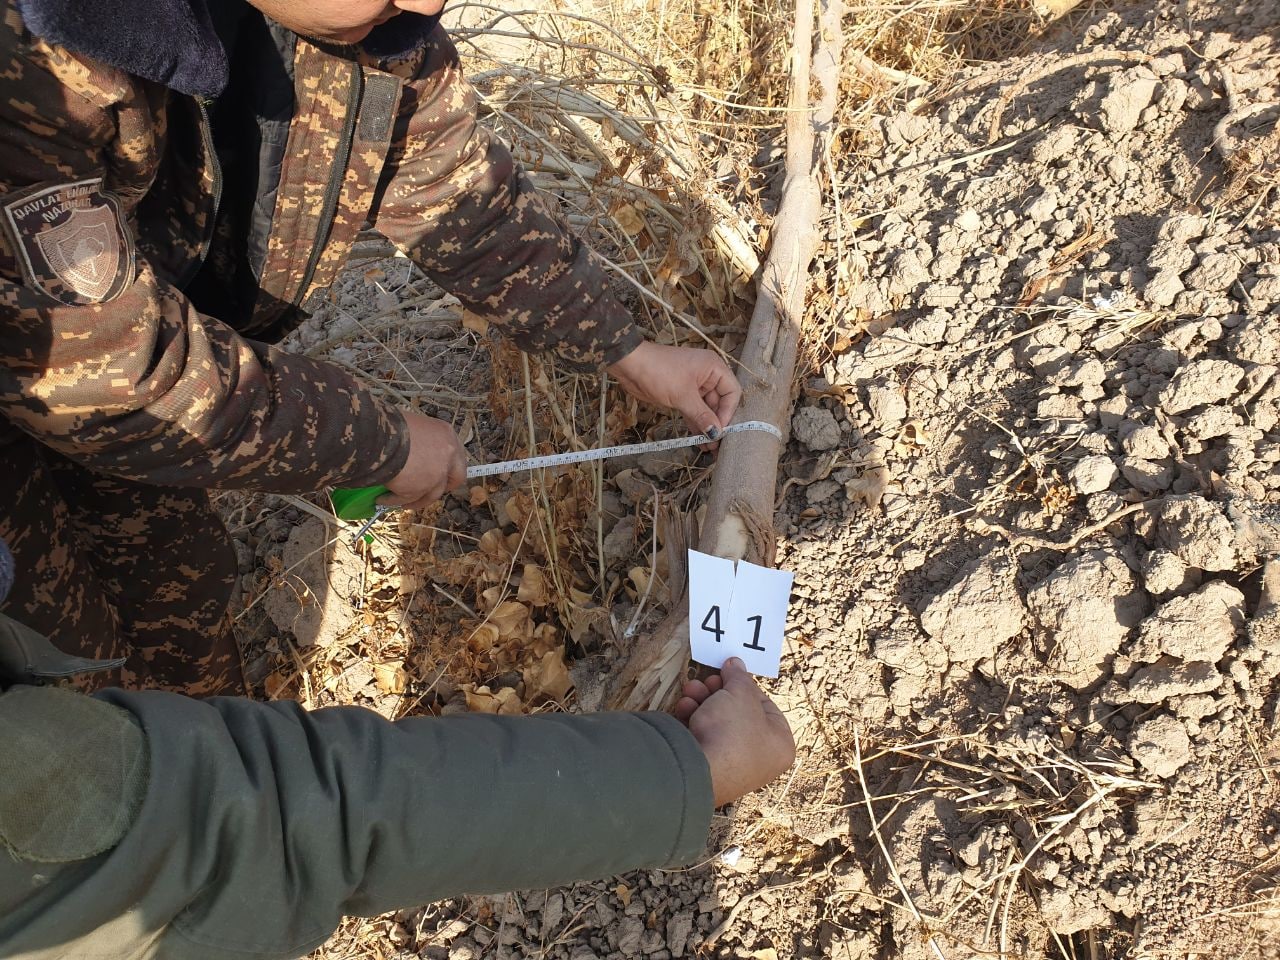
column 736, row 679
column 457, row 472
column 699, row 416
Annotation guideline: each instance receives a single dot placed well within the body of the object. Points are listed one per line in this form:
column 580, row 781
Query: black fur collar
column 172, row 42
column 176, row 42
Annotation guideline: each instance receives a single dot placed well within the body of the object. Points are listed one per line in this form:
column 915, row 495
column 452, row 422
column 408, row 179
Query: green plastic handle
column 357, row 504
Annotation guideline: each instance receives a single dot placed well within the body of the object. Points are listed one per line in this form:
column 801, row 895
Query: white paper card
column 710, row 599
column 740, row 613
column 760, row 598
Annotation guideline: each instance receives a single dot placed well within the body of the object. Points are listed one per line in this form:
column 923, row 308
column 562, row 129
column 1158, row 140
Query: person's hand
column 696, row 383
column 744, row 735
column 437, row 464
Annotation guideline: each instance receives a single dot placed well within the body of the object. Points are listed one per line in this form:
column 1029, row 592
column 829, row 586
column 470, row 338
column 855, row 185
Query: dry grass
column 662, row 138
column 1035, row 787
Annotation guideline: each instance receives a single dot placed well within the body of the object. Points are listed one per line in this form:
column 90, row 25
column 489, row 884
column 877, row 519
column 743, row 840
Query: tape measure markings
column 608, row 453
column 586, row 456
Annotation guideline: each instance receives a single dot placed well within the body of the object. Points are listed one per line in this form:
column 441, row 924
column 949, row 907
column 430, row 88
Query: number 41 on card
column 737, row 611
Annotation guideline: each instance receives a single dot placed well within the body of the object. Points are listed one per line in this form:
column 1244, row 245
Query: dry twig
column 984, row 527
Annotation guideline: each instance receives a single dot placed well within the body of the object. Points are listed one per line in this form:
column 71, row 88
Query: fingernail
column 712, row 432
column 736, row 663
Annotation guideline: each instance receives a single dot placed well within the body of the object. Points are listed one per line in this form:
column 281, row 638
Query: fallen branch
column 739, row 517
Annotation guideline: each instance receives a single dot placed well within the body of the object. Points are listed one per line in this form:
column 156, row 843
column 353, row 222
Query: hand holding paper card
column 742, row 614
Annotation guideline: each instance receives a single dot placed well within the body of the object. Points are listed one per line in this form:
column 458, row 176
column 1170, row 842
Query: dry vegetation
column 660, row 127
column 665, row 141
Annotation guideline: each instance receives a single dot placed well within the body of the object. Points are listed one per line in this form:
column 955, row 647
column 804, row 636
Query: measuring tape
column 363, row 503
column 607, row 453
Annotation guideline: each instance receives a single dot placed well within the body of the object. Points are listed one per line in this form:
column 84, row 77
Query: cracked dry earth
column 1049, row 631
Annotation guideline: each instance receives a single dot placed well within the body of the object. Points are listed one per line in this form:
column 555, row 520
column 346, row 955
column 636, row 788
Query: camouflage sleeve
column 454, row 200
column 145, row 387
column 103, row 360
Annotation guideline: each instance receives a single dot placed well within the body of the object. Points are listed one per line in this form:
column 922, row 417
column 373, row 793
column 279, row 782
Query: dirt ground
column 1029, row 496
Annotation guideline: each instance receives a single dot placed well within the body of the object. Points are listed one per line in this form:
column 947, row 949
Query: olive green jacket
column 148, row 825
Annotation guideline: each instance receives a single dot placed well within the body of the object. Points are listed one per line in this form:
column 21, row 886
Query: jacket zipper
column 211, row 156
column 334, row 187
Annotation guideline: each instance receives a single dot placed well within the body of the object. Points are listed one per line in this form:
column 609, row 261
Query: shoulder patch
column 71, row 241
column 73, row 774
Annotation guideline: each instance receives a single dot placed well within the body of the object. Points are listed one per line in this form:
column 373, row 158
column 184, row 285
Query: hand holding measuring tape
column 437, row 463
column 362, row 504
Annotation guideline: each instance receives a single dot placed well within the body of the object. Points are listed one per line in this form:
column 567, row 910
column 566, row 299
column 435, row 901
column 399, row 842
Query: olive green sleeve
column 263, row 824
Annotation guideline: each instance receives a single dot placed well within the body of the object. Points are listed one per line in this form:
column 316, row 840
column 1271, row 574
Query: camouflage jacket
column 176, row 188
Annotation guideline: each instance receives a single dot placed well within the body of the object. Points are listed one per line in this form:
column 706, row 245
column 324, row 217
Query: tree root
column 982, row 527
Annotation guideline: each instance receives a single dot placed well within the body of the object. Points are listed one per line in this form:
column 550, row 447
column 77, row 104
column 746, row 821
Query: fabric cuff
column 691, row 840
column 390, row 452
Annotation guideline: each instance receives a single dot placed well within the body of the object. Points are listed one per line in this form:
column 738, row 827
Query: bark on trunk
column 739, row 516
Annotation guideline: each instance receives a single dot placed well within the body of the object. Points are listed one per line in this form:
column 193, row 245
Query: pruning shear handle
column 361, row 504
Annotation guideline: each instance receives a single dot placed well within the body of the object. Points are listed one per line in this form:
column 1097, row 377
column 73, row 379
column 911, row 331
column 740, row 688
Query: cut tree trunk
column 739, row 516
